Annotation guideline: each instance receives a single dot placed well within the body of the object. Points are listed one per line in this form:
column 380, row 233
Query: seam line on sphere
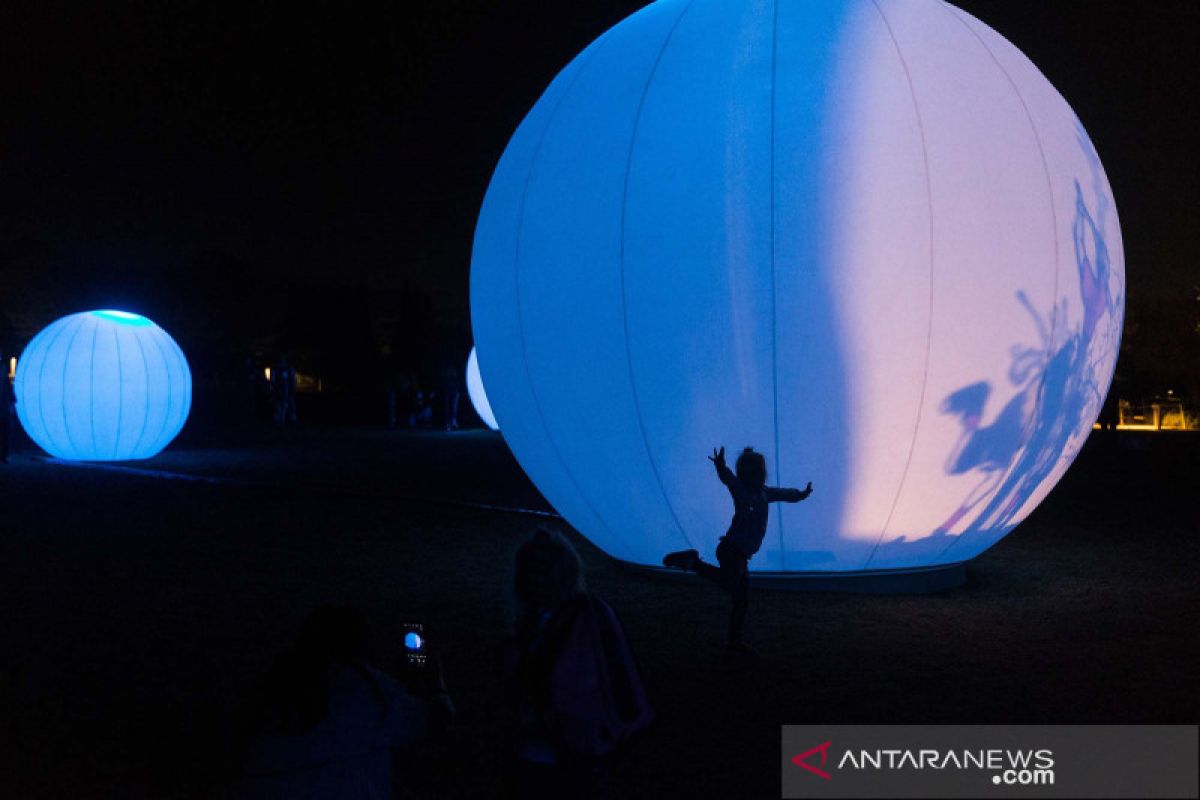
column 637, row 404
column 46, row 349
column 25, row 406
column 42, row 351
column 157, row 443
column 120, row 392
column 146, row 394
column 177, row 379
column 177, row 394
column 779, row 512
column 1037, row 137
column 185, row 382
column 929, row 325
column 537, row 405
column 92, row 388
column 80, row 319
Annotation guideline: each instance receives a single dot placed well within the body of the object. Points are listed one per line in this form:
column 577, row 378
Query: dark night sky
column 346, row 144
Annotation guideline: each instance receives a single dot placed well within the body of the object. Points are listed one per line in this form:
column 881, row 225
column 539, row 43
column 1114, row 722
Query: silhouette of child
column 750, row 494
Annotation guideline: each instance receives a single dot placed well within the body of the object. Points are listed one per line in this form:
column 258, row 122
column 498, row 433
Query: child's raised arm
column 775, row 495
column 723, row 471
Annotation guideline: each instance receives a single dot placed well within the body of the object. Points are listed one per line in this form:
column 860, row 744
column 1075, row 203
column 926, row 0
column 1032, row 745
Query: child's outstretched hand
column 718, row 457
column 806, row 491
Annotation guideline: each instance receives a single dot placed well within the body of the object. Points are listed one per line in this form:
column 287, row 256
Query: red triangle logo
column 802, row 760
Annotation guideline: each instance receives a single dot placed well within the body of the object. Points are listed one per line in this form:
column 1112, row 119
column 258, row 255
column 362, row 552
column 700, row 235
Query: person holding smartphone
column 326, row 723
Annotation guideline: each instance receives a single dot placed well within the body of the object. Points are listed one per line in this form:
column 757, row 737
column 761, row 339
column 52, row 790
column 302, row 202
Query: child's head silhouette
column 752, row 468
column 548, row 572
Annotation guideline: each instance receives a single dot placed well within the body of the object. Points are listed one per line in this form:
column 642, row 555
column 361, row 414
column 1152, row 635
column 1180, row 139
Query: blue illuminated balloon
column 475, row 391
column 867, row 237
column 103, row 386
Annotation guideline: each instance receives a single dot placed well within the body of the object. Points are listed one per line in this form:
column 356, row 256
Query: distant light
column 267, row 373
column 12, row 367
column 307, row 384
column 103, row 386
column 475, row 391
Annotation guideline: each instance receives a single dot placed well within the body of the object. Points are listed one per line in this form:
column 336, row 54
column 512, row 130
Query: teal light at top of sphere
column 867, row 237
column 103, row 385
column 122, row 317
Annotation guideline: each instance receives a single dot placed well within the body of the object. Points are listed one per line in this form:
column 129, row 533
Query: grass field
column 139, row 610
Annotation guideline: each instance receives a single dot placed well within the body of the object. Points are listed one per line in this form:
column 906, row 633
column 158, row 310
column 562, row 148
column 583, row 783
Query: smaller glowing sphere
column 103, row 386
column 475, row 390
column 413, row 640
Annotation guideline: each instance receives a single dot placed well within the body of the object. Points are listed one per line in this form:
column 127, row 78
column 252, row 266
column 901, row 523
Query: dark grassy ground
column 137, row 612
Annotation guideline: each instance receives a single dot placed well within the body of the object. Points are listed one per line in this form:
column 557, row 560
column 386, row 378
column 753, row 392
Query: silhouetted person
column 283, row 393
column 8, row 413
column 389, row 402
column 324, row 723
column 450, row 386
column 751, row 495
column 576, row 692
column 421, row 414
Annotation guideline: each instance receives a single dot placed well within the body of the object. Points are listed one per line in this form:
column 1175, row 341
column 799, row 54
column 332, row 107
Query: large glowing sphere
column 103, row 386
column 866, row 237
column 475, row 391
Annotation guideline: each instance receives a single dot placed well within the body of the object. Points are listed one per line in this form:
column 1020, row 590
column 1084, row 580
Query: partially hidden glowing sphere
column 475, row 392
column 867, row 237
column 103, row 386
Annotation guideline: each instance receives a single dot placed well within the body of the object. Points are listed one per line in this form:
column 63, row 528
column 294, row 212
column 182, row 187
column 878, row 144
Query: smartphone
column 416, row 651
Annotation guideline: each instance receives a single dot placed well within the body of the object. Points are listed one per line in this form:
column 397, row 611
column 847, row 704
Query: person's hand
column 718, row 457
column 807, row 490
column 442, row 710
column 436, row 674
column 425, row 681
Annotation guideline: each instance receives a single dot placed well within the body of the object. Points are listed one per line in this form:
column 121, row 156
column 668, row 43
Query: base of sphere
column 915, row 580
